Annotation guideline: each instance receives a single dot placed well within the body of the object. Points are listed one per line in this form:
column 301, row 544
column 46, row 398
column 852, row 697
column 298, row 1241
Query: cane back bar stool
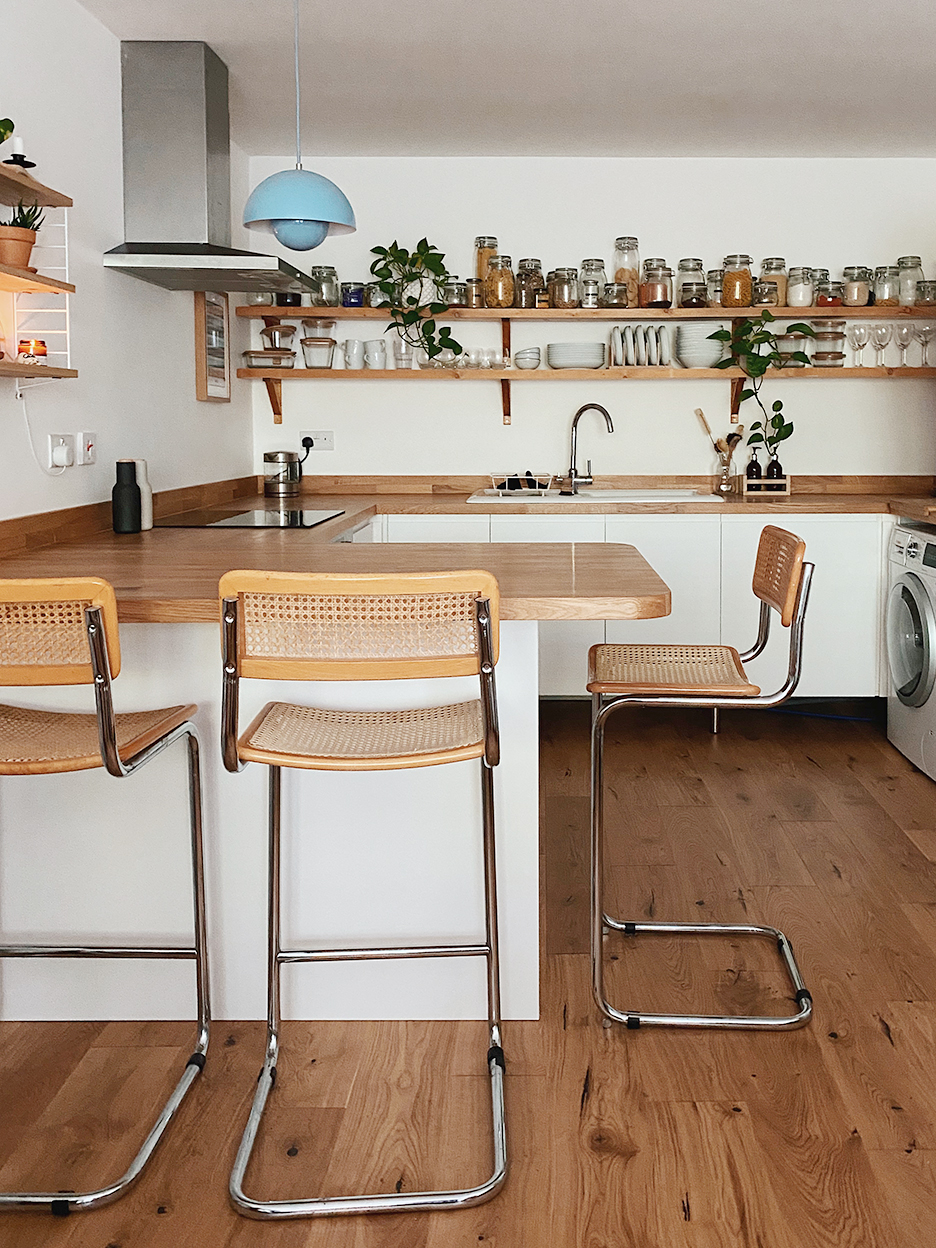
column 297, row 626
column 703, row 676
column 64, row 632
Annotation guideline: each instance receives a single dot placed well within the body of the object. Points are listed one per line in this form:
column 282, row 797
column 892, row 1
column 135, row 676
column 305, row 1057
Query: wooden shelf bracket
column 274, row 389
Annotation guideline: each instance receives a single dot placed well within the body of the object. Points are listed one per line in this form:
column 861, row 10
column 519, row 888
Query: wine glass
column 881, row 336
column 858, row 338
column 923, row 334
column 903, row 337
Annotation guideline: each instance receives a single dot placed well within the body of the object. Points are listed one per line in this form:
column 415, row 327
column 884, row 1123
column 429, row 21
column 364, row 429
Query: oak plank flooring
column 820, row 1138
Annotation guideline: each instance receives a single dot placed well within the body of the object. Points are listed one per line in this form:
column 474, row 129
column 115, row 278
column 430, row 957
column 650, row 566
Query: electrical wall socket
column 322, row 439
column 61, row 450
column 86, row 448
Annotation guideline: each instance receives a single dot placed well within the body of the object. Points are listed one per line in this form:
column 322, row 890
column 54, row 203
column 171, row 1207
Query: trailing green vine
column 411, row 284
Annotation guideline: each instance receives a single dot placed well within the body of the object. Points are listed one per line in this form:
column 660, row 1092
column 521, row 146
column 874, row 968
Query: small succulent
column 26, row 217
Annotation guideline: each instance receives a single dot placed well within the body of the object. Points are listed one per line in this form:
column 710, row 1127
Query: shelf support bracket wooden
column 274, row 389
column 737, row 385
column 505, row 385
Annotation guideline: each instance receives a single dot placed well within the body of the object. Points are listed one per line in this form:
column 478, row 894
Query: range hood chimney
column 177, row 175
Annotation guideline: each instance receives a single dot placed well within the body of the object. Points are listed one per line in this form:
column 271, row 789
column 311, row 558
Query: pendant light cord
column 296, row 42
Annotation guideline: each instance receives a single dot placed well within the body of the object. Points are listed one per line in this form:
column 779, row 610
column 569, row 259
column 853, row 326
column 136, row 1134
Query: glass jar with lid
column 773, row 269
column 474, row 289
column 657, row 288
column 529, row 280
column 692, row 295
column 454, row 292
column 764, row 294
column 829, row 294
column 911, row 272
column 499, row 284
column 258, row 298
column 352, row 294
column 688, row 270
column 800, row 288
column 736, row 284
column 592, row 271
column 926, row 294
column 857, row 284
column 324, row 292
column 564, row 289
column 589, row 294
column 713, row 287
column 820, row 275
column 887, row 286
column 627, row 267
column 615, row 295
column 650, row 264
column 485, row 250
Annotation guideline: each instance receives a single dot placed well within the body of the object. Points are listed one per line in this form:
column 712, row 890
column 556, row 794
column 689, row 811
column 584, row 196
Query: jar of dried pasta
column 499, row 284
column 736, row 283
column 485, row 250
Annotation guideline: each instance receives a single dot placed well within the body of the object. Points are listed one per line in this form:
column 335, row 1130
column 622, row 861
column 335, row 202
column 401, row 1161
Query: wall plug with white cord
column 20, row 395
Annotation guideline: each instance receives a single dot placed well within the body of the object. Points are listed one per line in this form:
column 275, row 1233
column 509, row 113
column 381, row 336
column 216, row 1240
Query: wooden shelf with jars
column 520, row 315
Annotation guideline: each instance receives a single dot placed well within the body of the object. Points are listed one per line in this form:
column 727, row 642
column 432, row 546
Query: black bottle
column 753, row 472
column 773, row 470
column 126, row 503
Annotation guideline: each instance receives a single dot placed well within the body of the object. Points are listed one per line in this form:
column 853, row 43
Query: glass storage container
column 592, row 271
column 454, row 293
column 325, row 291
column 887, row 286
column 857, row 286
column 474, row 289
column 773, row 269
column 352, row 294
column 829, row 340
column 829, row 294
column 692, row 295
column 820, row 275
column 926, row 294
column 529, row 280
column 764, row 294
column 910, row 273
column 657, row 288
column 736, row 283
column 627, row 267
column 800, row 289
column 615, row 295
column 564, row 290
column 499, row 285
column 259, row 298
column 485, row 250
column 713, row 287
column 589, row 297
column 688, row 270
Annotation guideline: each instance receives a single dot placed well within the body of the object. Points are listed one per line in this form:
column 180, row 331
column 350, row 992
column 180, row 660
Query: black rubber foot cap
column 633, row 1023
column 197, row 1059
column 803, row 996
column 60, row 1208
column 630, row 929
column 496, row 1054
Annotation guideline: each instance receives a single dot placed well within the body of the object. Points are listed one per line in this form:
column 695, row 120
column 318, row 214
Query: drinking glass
column 923, row 334
column 402, row 354
column 881, row 336
column 903, row 336
column 858, row 338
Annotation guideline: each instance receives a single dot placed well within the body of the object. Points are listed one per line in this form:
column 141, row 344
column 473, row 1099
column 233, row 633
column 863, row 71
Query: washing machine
column 910, row 631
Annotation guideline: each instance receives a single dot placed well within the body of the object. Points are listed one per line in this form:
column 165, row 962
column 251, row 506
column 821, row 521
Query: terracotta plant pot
column 15, row 246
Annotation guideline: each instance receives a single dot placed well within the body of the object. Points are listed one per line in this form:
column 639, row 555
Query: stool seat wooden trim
column 778, row 569
column 43, row 640
column 39, row 743
column 644, row 669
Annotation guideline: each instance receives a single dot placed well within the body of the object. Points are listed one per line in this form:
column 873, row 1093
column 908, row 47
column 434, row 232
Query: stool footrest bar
column 95, row 951
column 363, row 955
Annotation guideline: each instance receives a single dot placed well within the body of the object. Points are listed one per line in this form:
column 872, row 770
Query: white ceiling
column 568, row 77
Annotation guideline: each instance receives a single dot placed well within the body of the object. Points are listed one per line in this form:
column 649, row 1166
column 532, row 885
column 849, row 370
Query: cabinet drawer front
column 547, row 528
column 438, row 528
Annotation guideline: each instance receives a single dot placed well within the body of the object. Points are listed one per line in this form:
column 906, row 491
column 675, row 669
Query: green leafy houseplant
column 6, row 128
column 411, row 284
column 752, row 347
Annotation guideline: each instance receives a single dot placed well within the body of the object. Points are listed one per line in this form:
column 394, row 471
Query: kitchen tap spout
column 573, row 478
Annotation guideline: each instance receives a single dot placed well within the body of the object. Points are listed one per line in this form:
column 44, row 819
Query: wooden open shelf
column 10, row 368
column 273, row 312
column 16, row 185
column 650, row 373
column 22, row 282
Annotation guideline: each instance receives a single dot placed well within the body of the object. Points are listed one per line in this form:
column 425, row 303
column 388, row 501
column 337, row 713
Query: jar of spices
column 887, row 286
column 800, row 289
column 352, row 294
column 736, row 284
column 857, row 284
column 373, row 295
column 688, row 270
column 542, row 298
column 589, row 297
column 529, row 280
column 627, row 267
column 474, row 289
column 657, row 288
column 829, row 294
column 564, row 291
column 926, row 294
column 454, row 293
column 773, row 269
column 692, row 295
column 499, row 285
column 713, row 287
column 655, row 263
column 615, row 295
column 911, row 272
column 485, row 250
column 764, row 294
column 592, row 271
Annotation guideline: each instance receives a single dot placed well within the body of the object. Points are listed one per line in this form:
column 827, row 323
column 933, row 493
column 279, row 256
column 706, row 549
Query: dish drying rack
column 508, row 484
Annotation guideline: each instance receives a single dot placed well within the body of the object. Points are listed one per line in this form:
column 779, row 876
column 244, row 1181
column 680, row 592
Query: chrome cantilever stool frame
column 64, row 632
column 623, row 676
column 297, row 626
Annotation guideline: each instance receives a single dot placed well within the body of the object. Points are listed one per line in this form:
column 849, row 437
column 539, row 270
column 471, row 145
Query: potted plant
column 18, row 235
column 411, row 284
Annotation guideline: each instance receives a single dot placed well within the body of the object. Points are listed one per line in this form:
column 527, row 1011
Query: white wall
column 818, row 212
column 131, row 342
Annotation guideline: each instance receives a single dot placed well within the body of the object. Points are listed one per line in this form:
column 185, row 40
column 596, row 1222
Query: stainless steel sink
column 592, row 495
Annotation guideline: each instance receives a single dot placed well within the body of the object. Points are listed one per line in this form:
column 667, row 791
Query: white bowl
column 526, row 362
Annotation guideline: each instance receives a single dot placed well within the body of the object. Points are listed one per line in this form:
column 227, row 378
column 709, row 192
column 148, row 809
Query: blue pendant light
column 299, row 207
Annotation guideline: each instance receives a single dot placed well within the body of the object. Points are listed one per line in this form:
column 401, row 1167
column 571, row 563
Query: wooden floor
column 821, row 1137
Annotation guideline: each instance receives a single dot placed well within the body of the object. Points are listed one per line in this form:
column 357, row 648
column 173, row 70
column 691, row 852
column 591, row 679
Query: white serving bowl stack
column 575, row 354
column 527, row 357
column 693, row 348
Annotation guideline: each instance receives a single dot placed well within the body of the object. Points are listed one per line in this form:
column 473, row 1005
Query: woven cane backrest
column 43, row 636
column 778, row 571
column 298, row 626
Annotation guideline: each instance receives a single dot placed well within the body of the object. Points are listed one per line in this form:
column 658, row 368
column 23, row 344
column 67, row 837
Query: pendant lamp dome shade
column 300, row 208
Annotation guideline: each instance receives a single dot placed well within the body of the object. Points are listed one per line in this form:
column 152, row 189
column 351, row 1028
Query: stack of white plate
column 575, row 354
column 693, row 348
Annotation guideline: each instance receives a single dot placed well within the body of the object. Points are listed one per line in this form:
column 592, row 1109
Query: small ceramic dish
column 528, row 361
column 640, row 346
column 629, row 357
column 666, row 347
column 653, row 345
column 617, row 347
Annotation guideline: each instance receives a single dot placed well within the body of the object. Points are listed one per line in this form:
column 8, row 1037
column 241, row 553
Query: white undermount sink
column 586, row 495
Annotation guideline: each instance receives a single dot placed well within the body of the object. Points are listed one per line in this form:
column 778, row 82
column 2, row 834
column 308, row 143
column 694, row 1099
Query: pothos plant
column 752, row 347
column 411, row 284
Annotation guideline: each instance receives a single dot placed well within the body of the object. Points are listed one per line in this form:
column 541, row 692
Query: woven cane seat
column 34, row 742
column 652, row 670
column 331, row 740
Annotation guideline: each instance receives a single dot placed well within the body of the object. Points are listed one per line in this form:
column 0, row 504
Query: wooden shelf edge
column 22, row 282
column 10, row 368
column 591, row 314
column 16, row 184
column 576, row 374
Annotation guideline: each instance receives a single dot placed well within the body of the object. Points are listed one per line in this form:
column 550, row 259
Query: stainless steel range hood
column 177, row 176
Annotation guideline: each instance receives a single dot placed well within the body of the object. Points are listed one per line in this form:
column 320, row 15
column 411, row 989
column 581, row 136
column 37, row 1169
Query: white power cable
column 20, row 393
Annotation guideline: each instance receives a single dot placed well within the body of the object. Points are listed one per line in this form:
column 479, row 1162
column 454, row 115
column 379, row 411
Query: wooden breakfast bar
column 393, row 841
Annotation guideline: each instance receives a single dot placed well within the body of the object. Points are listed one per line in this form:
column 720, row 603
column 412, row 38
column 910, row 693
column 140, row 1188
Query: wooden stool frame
column 101, row 622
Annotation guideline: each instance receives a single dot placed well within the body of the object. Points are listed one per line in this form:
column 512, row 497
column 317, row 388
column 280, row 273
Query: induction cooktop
column 272, row 518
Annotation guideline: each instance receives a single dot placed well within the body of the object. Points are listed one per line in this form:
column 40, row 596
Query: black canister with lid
column 126, row 499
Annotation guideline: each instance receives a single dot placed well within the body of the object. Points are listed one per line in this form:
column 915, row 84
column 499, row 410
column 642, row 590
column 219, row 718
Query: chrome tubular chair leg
column 61, row 1204
column 383, row 1202
column 601, row 922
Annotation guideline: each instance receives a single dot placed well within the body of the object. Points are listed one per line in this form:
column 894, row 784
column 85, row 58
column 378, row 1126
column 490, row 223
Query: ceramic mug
column 375, row 353
column 353, row 353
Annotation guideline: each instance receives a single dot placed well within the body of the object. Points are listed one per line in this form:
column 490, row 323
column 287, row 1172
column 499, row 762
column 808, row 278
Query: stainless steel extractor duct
column 177, row 175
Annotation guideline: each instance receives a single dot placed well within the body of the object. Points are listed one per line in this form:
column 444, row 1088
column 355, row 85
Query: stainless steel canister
column 281, row 473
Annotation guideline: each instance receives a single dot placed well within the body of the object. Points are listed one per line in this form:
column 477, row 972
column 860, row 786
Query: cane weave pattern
column 669, row 669
column 358, row 626
column 777, row 570
column 47, row 634
column 316, row 733
column 32, row 736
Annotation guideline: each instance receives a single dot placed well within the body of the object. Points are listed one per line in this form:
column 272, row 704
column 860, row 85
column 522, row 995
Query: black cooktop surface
column 269, row 518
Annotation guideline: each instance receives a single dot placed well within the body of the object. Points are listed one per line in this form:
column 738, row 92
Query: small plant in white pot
column 18, row 235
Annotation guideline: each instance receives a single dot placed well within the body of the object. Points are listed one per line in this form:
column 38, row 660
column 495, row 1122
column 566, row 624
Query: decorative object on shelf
column 753, row 473
column 753, row 489
column 752, row 346
column 411, row 283
column 18, row 235
column 724, row 448
column 299, row 207
column 18, row 156
column 32, row 351
column 212, row 347
column 126, row 499
column 146, row 495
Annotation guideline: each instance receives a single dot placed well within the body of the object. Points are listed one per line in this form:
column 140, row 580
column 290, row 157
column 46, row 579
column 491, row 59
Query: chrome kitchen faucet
column 573, row 480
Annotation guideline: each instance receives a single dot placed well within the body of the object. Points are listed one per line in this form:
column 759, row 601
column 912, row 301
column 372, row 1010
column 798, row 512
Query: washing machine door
column 911, row 640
